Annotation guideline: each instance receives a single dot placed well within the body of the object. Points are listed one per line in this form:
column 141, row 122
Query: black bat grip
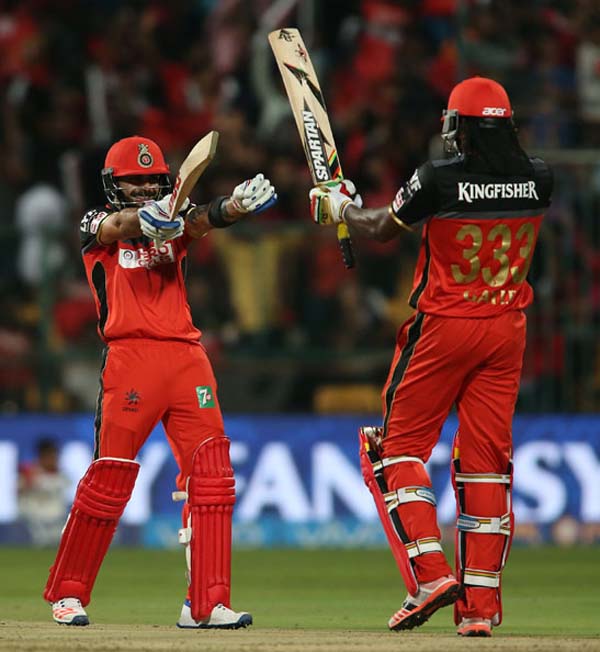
column 343, row 236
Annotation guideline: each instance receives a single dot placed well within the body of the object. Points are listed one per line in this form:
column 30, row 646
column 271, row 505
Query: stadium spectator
column 588, row 78
column 41, row 215
column 43, row 503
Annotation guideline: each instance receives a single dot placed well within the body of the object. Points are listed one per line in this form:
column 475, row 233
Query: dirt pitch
column 47, row 637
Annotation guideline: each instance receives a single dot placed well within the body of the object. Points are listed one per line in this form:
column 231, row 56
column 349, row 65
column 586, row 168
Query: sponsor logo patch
column 285, row 35
column 206, row 397
column 493, row 111
column 398, row 200
column 315, row 146
column 147, row 257
column 132, row 398
column 95, row 223
column 406, row 192
column 469, row 192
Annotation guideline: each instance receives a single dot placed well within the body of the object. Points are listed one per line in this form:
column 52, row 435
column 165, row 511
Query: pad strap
column 409, row 495
column 501, row 478
column 486, row 578
column 423, row 546
column 398, row 459
column 484, row 524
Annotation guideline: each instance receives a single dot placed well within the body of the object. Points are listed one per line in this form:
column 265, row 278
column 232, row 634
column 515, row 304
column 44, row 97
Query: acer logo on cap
column 493, row 110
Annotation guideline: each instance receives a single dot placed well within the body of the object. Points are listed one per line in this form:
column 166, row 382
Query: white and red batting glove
column 329, row 201
column 253, row 195
column 156, row 224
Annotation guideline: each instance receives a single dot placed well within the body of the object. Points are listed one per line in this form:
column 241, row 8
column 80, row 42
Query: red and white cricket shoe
column 69, row 611
column 221, row 617
column 475, row 627
column 431, row 596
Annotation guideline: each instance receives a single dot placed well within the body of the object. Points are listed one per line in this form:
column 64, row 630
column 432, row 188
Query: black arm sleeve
column 544, row 176
column 418, row 198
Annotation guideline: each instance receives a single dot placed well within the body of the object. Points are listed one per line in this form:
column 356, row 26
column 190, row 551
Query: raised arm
column 251, row 196
column 336, row 201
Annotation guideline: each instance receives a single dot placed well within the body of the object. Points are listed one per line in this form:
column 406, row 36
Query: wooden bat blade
column 192, row 167
column 308, row 107
column 307, row 102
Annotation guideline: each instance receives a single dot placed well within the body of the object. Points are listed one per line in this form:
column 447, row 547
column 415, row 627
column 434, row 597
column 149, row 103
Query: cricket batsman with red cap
column 154, row 369
column 480, row 212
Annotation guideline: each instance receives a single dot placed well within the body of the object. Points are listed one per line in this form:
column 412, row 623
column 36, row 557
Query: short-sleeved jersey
column 139, row 289
column 478, row 238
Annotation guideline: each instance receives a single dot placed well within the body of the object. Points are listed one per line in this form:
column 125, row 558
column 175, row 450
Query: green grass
column 547, row 591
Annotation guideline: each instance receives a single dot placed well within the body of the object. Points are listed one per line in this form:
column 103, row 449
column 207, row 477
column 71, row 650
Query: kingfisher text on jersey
column 468, row 191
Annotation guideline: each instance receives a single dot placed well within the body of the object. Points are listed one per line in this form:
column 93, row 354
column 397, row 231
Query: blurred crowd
column 43, row 495
column 279, row 312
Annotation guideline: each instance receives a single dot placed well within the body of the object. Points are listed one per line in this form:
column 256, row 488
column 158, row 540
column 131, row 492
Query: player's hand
column 329, row 200
column 156, row 225
column 253, row 195
column 164, row 204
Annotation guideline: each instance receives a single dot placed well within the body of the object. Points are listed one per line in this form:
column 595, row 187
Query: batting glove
column 156, row 225
column 254, row 195
column 329, row 200
column 164, row 204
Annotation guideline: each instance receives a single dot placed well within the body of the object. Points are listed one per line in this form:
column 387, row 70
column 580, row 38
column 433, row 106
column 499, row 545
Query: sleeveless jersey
column 139, row 289
column 478, row 238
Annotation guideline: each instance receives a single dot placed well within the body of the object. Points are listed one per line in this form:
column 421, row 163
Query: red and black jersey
column 478, row 238
column 139, row 289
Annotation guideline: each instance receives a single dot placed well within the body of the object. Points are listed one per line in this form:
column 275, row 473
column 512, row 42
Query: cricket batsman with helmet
column 154, row 369
column 481, row 211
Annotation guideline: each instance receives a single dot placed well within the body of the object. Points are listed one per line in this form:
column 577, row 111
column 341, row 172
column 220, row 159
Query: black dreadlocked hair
column 491, row 146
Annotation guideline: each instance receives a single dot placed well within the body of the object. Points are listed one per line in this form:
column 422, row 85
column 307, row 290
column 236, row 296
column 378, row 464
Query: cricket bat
column 308, row 106
column 193, row 166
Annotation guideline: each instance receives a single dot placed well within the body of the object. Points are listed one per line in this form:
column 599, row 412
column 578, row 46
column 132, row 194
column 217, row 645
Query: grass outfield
column 308, row 600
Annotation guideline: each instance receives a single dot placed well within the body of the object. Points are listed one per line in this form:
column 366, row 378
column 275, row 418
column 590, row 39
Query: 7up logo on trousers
column 206, row 398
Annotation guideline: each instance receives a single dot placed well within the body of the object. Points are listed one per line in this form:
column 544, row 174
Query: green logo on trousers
column 206, row 398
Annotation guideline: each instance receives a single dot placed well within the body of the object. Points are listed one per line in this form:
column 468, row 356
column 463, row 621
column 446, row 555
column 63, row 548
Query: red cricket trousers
column 441, row 361
column 145, row 381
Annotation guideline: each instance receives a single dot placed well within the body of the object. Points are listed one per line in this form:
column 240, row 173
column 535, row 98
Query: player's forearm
column 198, row 224
column 373, row 223
column 120, row 226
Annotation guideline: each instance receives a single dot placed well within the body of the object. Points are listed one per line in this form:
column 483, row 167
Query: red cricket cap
column 480, row 97
column 135, row 155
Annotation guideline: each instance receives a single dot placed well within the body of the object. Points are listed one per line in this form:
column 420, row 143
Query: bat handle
column 343, row 236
